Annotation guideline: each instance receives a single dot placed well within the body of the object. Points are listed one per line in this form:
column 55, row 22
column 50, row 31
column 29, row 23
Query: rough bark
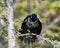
column 10, row 23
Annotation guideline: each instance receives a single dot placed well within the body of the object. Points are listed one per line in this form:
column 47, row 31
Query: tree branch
column 10, row 24
column 2, row 22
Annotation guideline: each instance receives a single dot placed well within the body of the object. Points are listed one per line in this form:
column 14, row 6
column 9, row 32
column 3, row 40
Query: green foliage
column 50, row 7
column 56, row 44
column 20, row 9
column 55, row 28
column 17, row 24
column 45, row 8
column 3, row 13
column 3, row 8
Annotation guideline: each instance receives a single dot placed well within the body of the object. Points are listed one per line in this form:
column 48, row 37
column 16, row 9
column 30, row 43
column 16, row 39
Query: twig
column 2, row 22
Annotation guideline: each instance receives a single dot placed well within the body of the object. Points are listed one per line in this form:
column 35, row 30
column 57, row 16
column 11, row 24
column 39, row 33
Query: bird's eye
column 31, row 16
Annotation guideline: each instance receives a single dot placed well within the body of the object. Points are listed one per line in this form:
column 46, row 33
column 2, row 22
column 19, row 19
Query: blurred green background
column 48, row 11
